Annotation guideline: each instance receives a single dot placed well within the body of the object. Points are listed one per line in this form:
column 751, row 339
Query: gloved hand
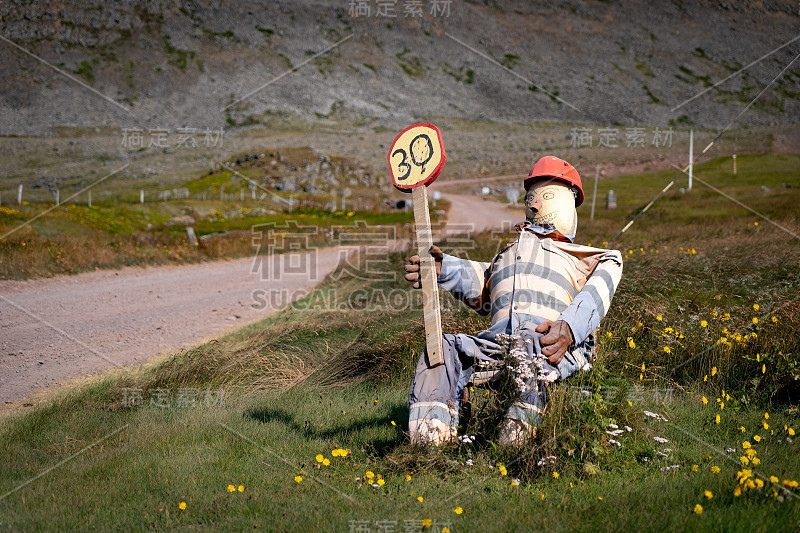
column 413, row 266
column 556, row 341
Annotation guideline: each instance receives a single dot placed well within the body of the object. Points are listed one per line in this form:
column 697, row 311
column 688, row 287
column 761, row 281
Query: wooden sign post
column 416, row 158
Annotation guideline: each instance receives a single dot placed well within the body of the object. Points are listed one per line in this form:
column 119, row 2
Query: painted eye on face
column 549, row 195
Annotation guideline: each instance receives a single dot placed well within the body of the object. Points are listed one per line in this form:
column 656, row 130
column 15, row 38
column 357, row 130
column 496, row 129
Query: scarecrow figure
column 541, row 288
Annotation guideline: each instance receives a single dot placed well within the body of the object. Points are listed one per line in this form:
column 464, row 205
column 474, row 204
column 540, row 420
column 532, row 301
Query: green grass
column 318, row 376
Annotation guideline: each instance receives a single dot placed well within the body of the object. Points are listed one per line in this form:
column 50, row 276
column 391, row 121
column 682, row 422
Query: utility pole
column 594, row 194
column 691, row 157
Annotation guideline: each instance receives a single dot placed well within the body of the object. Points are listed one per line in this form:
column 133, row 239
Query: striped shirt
column 535, row 279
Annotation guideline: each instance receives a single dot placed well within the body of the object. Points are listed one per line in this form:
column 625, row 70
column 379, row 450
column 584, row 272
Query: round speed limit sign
column 416, row 157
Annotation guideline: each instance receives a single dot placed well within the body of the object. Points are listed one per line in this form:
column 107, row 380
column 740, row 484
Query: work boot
column 429, row 432
column 515, row 432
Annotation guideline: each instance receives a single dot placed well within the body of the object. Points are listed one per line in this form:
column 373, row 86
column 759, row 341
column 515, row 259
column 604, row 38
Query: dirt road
column 52, row 330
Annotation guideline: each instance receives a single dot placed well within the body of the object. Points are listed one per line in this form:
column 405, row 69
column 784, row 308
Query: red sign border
column 436, row 171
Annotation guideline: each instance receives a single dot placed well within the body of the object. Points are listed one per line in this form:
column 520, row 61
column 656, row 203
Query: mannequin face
column 552, row 202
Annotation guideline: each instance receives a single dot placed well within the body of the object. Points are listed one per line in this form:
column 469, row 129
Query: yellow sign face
column 416, row 157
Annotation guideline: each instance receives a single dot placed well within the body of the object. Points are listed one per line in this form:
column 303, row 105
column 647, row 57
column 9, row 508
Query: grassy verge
column 331, row 372
column 73, row 239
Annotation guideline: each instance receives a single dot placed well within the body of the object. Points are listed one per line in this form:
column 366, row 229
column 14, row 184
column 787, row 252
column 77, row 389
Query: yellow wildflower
column 714, row 371
column 755, row 307
column 759, row 483
column 708, row 494
column 555, row 475
column 319, row 457
column 694, row 468
column 774, row 320
column 756, row 438
column 705, row 400
column 381, row 482
column 703, row 324
column 659, row 318
column 763, row 369
column 773, row 479
column 370, row 474
column 458, row 510
column 715, row 469
column 298, row 478
column 745, row 445
column 766, row 416
column 766, row 426
column 642, row 367
column 716, row 419
column 756, row 461
column 755, row 320
column 241, row 488
column 426, row 523
column 737, row 491
column 182, row 506
column 698, row 509
column 231, row 488
column 326, row 461
column 503, row 470
column 408, row 477
column 420, row 499
column 791, row 431
column 393, row 423
column 667, row 350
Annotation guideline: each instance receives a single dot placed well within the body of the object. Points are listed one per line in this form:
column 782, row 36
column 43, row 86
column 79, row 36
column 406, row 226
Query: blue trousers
column 436, row 392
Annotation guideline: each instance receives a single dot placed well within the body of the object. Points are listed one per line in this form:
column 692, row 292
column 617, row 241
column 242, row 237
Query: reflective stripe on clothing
column 542, row 278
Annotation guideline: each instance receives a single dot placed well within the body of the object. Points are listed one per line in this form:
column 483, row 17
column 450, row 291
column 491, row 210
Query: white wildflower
column 656, row 416
column 662, row 440
column 549, row 460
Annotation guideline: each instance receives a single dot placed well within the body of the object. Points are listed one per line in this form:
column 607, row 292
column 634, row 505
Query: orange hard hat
column 553, row 167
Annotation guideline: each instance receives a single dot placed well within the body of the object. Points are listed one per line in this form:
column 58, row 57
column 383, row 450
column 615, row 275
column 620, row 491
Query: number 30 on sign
column 416, row 157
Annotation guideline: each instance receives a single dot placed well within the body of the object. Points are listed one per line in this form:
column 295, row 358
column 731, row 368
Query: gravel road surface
column 56, row 329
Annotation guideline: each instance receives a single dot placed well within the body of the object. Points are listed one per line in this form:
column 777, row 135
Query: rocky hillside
column 178, row 63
